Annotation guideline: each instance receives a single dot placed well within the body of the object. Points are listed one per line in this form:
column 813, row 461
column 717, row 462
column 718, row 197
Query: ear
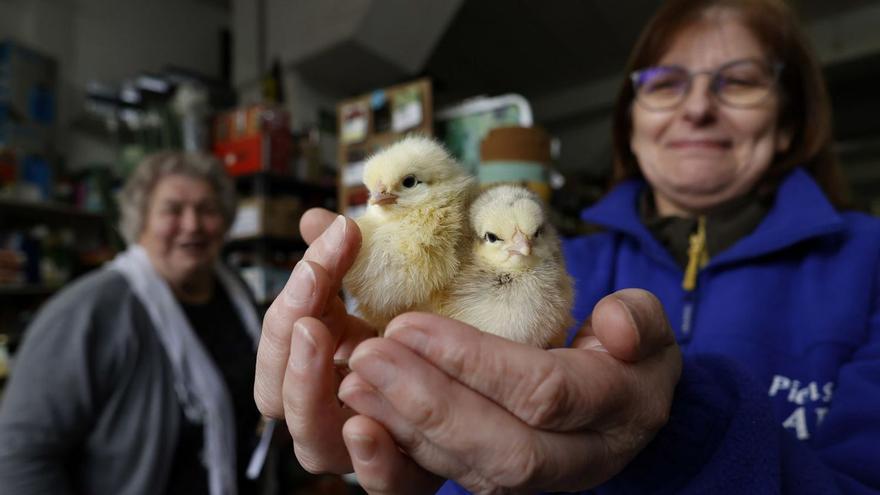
column 784, row 137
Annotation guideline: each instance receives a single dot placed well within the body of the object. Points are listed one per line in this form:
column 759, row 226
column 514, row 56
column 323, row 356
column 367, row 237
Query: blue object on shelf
column 37, row 171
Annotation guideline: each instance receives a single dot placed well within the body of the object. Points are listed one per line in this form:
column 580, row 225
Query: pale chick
column 414, row 229
column 514, row 283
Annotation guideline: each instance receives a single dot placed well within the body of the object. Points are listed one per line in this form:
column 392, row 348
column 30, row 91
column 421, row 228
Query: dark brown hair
column 805, row 106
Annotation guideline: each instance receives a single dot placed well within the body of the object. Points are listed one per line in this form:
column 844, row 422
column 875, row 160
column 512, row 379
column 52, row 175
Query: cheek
column 215, row 226
column 758, row 146
column 160, row 230
column 647, row 130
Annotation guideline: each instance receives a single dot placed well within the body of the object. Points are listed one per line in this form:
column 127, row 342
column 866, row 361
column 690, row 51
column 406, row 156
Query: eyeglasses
column 740, row 83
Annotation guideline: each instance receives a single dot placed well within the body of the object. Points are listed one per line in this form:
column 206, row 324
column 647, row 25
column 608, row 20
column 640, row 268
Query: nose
column 699, row 103
column 190, row 220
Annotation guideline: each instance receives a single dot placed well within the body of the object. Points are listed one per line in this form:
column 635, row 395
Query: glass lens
column 661, row 87
column 744, row 83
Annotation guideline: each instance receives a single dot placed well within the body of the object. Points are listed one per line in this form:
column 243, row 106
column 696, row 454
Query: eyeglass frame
column 775, row 67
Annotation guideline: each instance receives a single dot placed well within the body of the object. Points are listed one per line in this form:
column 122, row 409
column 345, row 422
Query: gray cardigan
column 90, row 406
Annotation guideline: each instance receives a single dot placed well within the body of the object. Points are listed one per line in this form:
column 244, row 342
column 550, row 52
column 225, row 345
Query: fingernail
column 336, row 232
column 629, row 312
column 410, row 336
column 362, row 447
column 302, row 284
column 593, row 344
column 376, row 369
column 304, row 347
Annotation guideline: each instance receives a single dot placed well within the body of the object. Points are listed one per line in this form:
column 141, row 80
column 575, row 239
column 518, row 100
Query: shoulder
column 97, row 307
column 98, row 291
column 858, row 241
column 862, row 225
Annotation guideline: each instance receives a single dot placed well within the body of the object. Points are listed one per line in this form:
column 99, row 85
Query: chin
column 193, row 264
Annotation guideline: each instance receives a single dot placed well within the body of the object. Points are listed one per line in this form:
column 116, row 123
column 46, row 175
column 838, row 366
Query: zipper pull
column 698, row 257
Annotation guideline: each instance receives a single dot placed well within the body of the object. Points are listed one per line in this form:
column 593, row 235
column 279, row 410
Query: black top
column 725, row 225
column 221, row 331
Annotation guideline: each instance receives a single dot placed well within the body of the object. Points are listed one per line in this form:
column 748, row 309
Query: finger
column 365, row 399
column 540, row 387
column 631, row 324
column 314, row 222
column 336, row 249
column 435, row 420
column 304, row 294
column 381, row 468
column 432, row 417
column 314, row 415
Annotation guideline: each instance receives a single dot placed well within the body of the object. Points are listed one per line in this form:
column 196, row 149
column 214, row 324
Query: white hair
column 134, row 198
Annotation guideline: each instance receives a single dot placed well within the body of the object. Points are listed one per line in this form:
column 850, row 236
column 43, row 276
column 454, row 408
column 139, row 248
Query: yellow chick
column 514, row 283
column 414, row 229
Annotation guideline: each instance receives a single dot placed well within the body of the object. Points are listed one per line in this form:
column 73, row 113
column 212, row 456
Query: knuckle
column 430, row 415
column 656, row 416
column 545, row 396
column 515, row 470
column 459, row 360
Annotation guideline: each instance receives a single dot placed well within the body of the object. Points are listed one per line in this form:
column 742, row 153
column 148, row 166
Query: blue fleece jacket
column 780, row 390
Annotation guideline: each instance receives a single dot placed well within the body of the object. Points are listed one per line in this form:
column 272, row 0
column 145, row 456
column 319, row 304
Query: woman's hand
column 462, row 404
column 494, row 415
column 304, row 328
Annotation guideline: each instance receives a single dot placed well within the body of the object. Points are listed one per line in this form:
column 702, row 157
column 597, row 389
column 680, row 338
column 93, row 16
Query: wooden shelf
column 48, row 212
column 377, row 136
column 282, row 182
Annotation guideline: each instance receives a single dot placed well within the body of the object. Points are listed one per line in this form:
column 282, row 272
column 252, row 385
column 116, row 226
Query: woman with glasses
column 730, row 309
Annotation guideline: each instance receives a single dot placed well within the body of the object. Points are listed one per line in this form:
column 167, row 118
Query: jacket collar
column 800, row 212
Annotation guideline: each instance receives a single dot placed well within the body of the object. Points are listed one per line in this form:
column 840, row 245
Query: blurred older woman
column 138, row 378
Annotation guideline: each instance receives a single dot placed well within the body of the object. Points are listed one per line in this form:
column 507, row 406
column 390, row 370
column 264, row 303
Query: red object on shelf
column 253, row 139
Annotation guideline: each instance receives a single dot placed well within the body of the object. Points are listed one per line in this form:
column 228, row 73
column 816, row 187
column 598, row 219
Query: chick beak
column 382, row 196
column 519, row 245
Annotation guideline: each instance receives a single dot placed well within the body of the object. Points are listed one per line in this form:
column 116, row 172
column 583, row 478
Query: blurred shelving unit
column 44, row 245
column 371, row 121
column 264, row 242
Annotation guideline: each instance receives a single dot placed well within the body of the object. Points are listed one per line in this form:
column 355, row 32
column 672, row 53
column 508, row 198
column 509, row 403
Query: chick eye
column 491, row 237
column 538, row 232
column 409, row 181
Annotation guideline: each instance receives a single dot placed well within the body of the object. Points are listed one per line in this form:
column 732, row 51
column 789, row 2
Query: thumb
column 631, row 324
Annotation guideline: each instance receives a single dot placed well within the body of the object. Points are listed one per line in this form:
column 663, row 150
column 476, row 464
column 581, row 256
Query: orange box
column 242, row 156
column 253, row 139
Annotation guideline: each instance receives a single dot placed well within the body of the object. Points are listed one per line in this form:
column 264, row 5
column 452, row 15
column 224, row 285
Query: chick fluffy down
column 527, row 299
column 413, row 248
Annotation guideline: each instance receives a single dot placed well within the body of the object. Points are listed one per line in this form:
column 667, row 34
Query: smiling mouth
column 193, row 245
column 701, row 144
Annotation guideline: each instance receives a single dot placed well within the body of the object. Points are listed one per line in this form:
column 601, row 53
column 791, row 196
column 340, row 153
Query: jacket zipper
column 698, row 257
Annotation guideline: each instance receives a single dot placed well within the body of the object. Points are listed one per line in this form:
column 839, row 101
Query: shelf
column 45, row 211
column 282, row 183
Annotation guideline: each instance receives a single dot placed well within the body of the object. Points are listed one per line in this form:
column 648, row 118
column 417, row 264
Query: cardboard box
column 254, row 139
column 266, row 216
